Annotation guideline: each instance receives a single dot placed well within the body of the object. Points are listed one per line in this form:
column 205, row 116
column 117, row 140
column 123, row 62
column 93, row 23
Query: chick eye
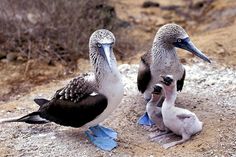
column 179, row 40
column 99, row 45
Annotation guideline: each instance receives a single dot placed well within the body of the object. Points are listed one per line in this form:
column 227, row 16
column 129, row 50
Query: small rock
column 149, row 4
column 2, row 55
column 11, row 57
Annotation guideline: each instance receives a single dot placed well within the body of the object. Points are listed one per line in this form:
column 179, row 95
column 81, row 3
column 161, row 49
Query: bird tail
column 32, row 118
column 41, row 101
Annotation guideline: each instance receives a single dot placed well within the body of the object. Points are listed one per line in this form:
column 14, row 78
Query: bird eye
column 179, row 40
column 99, row 45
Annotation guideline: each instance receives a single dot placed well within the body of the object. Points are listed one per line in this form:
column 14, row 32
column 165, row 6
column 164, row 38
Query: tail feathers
column 41, row 101
column 32, row 118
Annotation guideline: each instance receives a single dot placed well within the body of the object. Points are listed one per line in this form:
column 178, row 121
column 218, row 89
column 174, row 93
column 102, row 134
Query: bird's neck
column 103, row 72
column 162, row 51
column 155, row 98
column 170, row 96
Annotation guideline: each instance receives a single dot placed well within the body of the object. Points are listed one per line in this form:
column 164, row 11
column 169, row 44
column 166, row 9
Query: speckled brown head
column 172, row 35
column 101, row 47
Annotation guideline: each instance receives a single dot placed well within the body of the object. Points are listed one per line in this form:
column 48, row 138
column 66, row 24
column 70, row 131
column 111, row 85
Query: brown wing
column 67, row 113
column 74, row 105
column 75, row 90
column 144, row 72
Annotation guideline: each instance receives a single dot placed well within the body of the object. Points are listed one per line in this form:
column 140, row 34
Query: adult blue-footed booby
column 86, row 101
column 163, row 60
column 180, row 121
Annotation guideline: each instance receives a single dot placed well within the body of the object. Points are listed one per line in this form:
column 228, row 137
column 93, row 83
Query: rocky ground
column 209, row 91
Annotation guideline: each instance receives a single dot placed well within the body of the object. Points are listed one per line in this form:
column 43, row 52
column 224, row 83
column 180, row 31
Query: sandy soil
column 209, row 91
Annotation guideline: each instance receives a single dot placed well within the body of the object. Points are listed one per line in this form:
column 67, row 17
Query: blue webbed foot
column 145, row 120
column 102, row 137
column 99, row 130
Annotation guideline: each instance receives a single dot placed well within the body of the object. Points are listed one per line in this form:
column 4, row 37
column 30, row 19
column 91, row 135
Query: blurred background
column 47, row 40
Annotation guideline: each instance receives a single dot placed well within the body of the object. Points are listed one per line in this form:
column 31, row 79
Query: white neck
column 170, row 95
column 108, row 81
column 102, row 69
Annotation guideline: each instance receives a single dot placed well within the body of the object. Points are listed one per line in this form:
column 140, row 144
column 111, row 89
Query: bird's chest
column 112, row 89
column 171, row 121
column 166, row 67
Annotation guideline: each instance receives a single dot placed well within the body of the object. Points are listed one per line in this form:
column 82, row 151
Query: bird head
column 157, row 89
column 101, row 44
column 168, row 80
column 174, row 35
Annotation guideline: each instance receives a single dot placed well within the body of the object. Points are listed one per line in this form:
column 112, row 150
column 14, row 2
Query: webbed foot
column 102, row 137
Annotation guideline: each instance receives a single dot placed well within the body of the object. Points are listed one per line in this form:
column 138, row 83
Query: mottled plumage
column 77, row 89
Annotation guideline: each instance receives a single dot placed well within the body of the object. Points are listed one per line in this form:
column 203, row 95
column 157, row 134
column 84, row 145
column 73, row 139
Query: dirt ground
column 209, row 91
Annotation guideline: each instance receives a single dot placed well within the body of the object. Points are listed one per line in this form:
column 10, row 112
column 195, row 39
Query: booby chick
column 180, row 121
column 154, row 110
column 162, row 60
column 86, row 101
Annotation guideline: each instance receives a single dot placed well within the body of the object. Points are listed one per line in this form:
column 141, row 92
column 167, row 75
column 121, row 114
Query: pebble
column 11, row 57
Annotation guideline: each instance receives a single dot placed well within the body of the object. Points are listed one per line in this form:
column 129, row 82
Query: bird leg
column 150, row 128
column 171, row 144
column 158, row 136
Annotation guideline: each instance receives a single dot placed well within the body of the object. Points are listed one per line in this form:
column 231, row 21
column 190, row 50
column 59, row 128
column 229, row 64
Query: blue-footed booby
column 180, row 121
column 162, row 60
column 87, row 100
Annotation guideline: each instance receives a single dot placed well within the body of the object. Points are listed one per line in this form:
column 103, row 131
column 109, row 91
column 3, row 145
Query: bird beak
column 163, row 82
column 106, row 53
column 157, row 89
column 162, row 76
column 186, row 44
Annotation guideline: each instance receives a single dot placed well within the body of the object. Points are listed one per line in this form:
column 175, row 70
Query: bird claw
column 145, row 120
column 103, row 138
column 166, row 146
column 151, row 128
column 160, row 136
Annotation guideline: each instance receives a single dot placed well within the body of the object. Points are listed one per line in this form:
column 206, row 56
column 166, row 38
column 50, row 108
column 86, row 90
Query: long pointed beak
column 106, row 53
column 189, row 46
